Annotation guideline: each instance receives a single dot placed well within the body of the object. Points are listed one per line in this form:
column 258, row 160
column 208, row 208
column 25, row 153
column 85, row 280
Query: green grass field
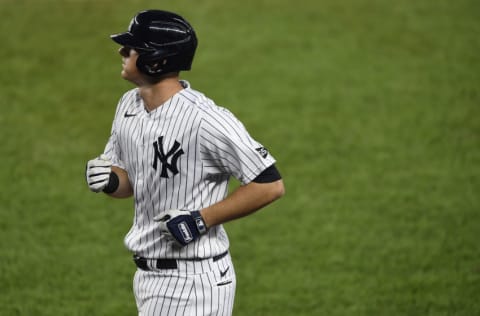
column 372, row 109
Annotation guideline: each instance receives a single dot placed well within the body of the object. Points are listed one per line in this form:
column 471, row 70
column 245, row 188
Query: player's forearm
column 242, row 202
column 124, row 189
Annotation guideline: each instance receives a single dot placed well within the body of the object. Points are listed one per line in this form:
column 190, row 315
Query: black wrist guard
column 113, row 183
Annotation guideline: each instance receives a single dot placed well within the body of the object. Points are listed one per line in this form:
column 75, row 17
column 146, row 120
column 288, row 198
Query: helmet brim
column 127, row 39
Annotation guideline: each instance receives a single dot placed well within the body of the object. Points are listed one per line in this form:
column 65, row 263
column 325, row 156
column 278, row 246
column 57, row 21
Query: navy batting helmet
column 165, row 42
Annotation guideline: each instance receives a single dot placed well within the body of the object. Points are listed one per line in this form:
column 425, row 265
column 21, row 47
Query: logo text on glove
column 186, row 233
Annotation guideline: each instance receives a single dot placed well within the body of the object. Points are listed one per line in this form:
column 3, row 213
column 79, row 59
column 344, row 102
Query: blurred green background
column 372, row 109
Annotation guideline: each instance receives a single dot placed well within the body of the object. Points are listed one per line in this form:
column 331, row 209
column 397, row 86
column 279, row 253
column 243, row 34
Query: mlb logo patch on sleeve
column 262, row 151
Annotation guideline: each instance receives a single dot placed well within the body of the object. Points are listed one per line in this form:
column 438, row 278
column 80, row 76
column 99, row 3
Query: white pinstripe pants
column 197, row 288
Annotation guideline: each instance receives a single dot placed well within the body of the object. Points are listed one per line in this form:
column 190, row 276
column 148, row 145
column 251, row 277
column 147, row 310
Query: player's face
column 129, row 65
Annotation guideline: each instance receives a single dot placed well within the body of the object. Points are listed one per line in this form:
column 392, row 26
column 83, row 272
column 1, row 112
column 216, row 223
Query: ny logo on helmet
column 173, row 154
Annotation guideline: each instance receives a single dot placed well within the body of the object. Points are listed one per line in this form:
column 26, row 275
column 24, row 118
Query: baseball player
column 174, row 150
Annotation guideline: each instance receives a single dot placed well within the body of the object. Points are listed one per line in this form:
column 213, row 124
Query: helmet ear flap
column 152, row 64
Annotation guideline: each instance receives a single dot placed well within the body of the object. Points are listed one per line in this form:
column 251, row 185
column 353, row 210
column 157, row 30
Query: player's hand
column 98, row 173
column 183, row 226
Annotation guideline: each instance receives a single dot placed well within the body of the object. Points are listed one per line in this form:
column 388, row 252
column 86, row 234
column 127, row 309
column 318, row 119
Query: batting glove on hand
column 98, row 173
column 183, row 226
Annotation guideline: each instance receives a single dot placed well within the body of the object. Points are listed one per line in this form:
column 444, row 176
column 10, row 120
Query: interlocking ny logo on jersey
column 174, row 153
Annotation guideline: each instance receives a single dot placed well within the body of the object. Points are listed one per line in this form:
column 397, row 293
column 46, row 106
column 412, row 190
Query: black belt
column 163, row 264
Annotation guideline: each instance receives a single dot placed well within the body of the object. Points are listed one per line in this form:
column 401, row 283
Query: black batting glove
column 183, row 226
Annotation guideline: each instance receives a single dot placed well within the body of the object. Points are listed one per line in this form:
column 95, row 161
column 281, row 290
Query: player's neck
column 154, row 95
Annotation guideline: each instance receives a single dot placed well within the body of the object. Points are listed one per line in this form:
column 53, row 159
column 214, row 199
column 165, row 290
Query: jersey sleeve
column 227, row 147
column 113, row 152
column 112, row 149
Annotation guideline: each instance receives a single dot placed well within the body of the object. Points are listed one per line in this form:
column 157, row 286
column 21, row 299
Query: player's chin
column 125, row 75
column 128, row 73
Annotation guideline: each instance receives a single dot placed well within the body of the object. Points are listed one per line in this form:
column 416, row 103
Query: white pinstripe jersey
column 180, row 156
